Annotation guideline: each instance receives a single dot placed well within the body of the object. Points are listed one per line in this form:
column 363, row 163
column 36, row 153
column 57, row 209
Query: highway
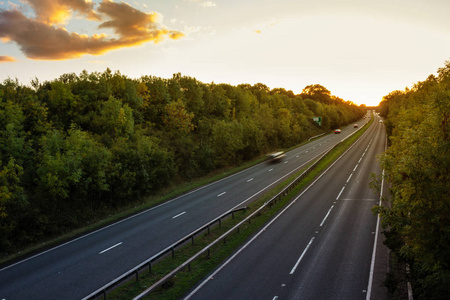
column 318, row 247
column 77, row 268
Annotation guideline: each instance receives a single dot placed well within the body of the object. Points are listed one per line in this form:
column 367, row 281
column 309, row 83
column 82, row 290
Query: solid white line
column 324, row 219
column 224, row 264
column 340, row 192
column 301, row 256
column 138, row 214
column 372, row 263
column 126, row 219
column 250, row 180
column 110, row 248
column 355, row 168
column 349, row 177
column 221, row 194
column 180, row 214
column 270, row 170
column 359, row 160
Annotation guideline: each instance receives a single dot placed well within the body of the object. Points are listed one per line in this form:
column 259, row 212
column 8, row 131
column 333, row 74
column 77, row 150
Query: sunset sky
column 359, row 50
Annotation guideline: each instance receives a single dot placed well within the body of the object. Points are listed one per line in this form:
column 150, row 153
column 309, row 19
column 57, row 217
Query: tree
column 317, row 92
column 115, row 120
column 417, row 164
column 177, row 120
column 12, row 201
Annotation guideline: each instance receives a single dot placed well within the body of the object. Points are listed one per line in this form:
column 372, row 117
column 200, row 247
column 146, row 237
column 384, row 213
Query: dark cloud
column 39, row 38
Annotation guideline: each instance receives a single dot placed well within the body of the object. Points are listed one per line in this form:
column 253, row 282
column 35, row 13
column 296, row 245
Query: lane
column 53, row 273
column 338, row 264
column 319, row 247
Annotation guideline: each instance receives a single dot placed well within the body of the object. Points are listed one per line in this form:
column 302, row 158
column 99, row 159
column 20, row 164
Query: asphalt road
column 77, row 268
column 319, row 247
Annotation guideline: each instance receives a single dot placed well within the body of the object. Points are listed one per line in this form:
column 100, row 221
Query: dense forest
column 417, row 165
column 76, row 147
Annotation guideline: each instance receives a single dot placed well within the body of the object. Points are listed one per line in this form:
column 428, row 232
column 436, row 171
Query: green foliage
column 417, row 166
column 77, row 146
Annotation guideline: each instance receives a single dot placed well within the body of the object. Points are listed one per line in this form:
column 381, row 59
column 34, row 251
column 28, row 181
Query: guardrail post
column 137, row 275
column 173, row 252
column 232, row 215
column 208, row 229
column 220, row 223
column 192, row 239
column 150, row 267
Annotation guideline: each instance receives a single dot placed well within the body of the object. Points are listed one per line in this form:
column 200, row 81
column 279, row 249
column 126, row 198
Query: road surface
column 77, row 268
column 319, row 247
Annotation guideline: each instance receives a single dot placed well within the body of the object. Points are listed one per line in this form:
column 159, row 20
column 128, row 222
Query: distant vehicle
column 381, row 121
column 337, row 131
column 355, row 125
column 276, row 157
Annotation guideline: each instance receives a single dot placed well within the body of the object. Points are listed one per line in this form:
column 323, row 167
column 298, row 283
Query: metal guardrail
column 281, row 194
column 148, row 263
column 101, row 292
column 313, row 137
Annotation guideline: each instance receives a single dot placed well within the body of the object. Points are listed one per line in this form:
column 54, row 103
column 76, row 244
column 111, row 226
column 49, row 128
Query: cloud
column 59, row 11
column 4, row 59
column 39, row 38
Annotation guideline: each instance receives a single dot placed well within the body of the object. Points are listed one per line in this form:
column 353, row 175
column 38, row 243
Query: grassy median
column 183, row 281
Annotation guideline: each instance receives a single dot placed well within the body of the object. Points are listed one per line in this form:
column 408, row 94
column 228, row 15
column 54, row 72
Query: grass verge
column 123, row 212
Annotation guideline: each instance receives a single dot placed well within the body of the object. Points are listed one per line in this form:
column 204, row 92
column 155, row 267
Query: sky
column 360, row 50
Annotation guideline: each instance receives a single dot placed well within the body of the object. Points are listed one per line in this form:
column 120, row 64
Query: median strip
column 230, row 235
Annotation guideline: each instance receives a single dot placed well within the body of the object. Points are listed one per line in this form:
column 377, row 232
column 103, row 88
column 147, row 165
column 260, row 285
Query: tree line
column 417, row 164
column 78, row 146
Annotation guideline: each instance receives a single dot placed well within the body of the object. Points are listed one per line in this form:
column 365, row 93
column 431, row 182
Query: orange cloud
column 6, row 59
column 58, row 11
column 39, row 39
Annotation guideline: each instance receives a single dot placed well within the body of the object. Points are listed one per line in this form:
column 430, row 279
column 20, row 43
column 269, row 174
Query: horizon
column 359, row 51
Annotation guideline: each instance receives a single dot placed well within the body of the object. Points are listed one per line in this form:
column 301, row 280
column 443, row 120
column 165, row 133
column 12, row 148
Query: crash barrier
column 313, row 137
column 273, row 200
column 101, row 292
